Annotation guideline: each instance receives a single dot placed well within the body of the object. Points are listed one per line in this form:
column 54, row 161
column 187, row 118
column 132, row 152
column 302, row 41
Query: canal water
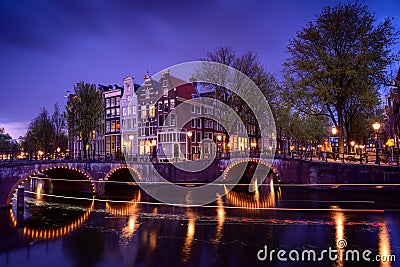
column 239, row 229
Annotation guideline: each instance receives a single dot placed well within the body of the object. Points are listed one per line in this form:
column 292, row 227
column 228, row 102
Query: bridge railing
column 356, row 158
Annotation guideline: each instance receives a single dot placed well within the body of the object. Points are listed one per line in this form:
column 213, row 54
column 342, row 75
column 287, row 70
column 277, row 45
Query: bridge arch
column 120, row 183
column 235, row 164
column 124, row 167
column 40, row 170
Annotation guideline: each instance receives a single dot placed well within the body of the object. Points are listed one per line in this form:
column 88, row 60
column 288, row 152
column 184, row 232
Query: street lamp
column 40, row 154
column 334, row 132
column 376, row 126
column 219, row 138
column 352, row 143
column 58, row 152
column 189, row 135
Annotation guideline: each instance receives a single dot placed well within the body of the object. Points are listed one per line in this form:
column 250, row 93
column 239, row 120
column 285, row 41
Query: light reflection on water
column 230, row 230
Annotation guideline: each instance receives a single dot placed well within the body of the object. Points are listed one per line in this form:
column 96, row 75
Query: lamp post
column 334, row 132
column 130, row 149
column 40, row 154
column 58, row 152
column 376, row 126
column 219, row 138
column 189, row 135
column 352, row 143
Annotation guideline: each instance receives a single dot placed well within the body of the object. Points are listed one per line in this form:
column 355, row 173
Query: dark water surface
column 137, row 231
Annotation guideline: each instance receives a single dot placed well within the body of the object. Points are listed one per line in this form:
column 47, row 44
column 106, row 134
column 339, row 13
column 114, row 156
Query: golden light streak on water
column 339, row 220
column 191, row 229
column 220, row 221
column 384, row 245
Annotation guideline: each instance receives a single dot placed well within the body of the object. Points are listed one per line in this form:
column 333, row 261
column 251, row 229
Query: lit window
column 144, row 112
column 152, row 111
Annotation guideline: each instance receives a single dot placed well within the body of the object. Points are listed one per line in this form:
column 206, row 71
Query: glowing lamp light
column 376, row 125
column 189, row 134
column 131, row 137
column 334, row 131
column 219, row 138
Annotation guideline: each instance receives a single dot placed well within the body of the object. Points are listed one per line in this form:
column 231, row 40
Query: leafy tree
column 40, row 134
column 336, row 64
column 5, row 140
column 85, row 111
column 249, row 64
column 58, row 119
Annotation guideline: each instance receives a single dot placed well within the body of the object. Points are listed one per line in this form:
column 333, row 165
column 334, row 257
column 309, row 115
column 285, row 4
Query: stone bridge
column 13, row 174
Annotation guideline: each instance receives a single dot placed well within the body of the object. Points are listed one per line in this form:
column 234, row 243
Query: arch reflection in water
column 191, row 229
column 255, row 200
column 56, row 232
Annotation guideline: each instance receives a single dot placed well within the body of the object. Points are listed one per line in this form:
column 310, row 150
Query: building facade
column 112, row 121
column 129, row 118
column 165, row 119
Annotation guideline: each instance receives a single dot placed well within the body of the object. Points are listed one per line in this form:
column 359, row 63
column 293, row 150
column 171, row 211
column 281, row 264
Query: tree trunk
column 340, row 130
column 84, row 149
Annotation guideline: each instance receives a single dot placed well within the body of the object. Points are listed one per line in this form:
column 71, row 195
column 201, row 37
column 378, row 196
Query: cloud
column 15, row 129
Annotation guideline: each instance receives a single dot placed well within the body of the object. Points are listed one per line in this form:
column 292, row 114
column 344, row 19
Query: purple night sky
column 47, row 46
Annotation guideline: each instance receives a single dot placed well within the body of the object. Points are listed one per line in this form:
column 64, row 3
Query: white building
column 129, row 118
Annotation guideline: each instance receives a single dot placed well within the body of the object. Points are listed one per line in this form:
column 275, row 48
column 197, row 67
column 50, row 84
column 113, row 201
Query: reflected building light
column 155, row 211
column 153, row 240
column 339, row 219
column 272, row 191
column 129, row 230
column 39, row 191
column 256, row 191
column 220, row 221
column 187, row 247
column 384, row 245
